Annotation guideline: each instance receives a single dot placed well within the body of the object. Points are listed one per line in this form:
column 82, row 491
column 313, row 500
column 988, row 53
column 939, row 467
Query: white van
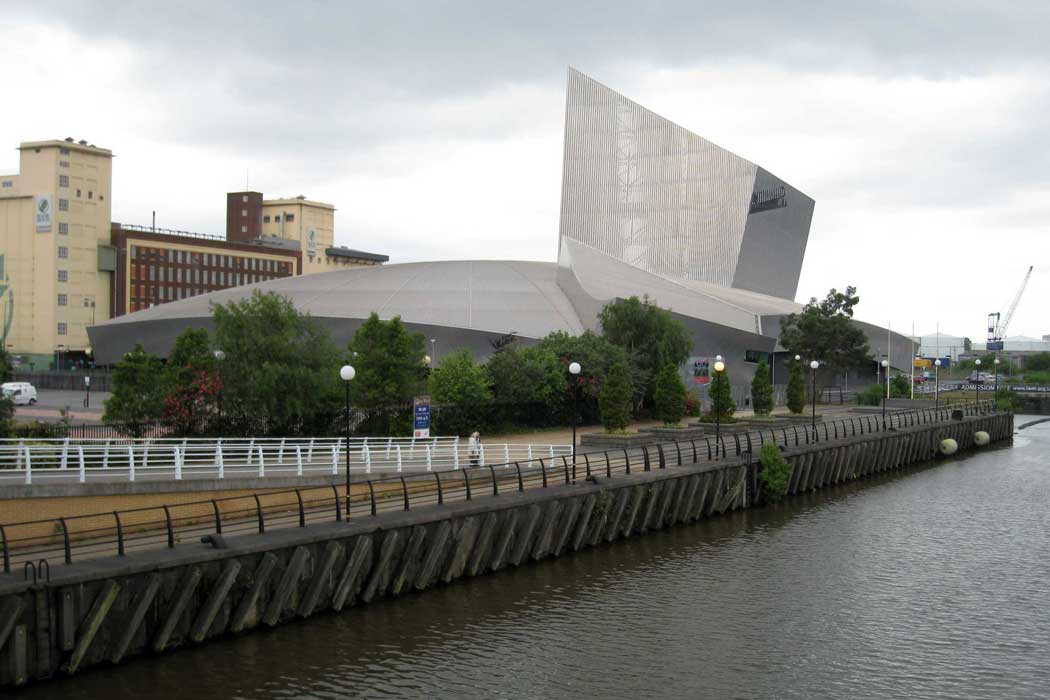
column 20, row 392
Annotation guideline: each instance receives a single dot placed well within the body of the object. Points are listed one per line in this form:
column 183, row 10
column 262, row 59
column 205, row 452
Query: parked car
column 22, row 393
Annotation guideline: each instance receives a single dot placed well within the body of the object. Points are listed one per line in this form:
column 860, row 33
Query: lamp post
column 977, row 382
column 433, row 352
column 996, row 379
column 87, row 392
column 937, row 384
column 720, row 367
column 219, row 357
column 813, row 390
column 886, row 377
column 574, row 371
column 346, row 373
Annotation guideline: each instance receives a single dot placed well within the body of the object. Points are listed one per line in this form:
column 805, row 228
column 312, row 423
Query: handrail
column 134, row 525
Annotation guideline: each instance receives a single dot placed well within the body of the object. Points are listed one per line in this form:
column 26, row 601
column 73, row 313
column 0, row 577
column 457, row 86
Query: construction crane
column 997, row 329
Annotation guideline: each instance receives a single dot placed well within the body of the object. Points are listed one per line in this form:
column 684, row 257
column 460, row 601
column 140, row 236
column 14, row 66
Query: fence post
column 506, row 453
column 530, row 452
column 310, row 451
column 131, row 463
column 399, row 461
column 251, row 450
column 298, row 460
column 335, row 459
column 455, row 453
column 552, row 451
column 262, row 462
column 83, row 470
column 18, row 452
column 430, row 465
column 65, row 452
column 178, row 463
column 218, row 459
column 368, row 459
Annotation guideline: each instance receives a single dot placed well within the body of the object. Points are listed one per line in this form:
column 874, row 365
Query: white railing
column 31, row 461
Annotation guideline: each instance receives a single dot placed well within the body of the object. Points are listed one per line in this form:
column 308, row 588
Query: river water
column 929, row 584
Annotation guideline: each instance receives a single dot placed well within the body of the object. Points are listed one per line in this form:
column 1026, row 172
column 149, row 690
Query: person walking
column 474, row 448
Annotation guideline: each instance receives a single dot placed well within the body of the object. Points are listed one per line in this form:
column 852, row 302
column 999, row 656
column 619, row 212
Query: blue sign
column 421, row 417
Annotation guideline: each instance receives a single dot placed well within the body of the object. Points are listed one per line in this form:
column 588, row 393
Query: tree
column 390, row 363
column 531, row 375
column 669, row 395
column 280, row 374
column 1039, row 362
column 761, row 390
column 192, row 383
column 796, row 389
column 652, row 337
column 900, row 387
column 596, row 356
column 459, row 381
column 6, row 367
column 138, row 393
column 824, row 331
column 615, row 398
column 722, row 404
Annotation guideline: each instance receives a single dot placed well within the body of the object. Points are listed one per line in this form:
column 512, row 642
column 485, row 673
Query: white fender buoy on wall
column 949, row 446
column 981, row 438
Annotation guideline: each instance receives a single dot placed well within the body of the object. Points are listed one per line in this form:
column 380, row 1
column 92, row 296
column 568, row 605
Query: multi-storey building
column 64, row 266
column 55, row 257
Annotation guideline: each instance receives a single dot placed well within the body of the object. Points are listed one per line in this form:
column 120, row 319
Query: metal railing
column 167, row 459
column 125, row 531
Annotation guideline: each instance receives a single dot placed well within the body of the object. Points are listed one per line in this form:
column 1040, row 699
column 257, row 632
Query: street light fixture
column 346, row 373
column 219, row 357
column 433, row 351
column 996, row 379
column 937, row 384
column 886, row 377
column 574, row 370
column 720, row 367
column 977, row 382
column 87, row 392
column 813, row 391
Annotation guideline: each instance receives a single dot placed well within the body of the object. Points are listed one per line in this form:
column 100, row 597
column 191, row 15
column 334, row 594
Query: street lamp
column 346, row 373
column 996, row 379
column 977, row 382
column 937, row 384
column 720, row 367
column 87, row 392
column 886, row 377
column 813, row 390
column 219, row 357
column 574, row 370
column 428, row 361
column 433, row 351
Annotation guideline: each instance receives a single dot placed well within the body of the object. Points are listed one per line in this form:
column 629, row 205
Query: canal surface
column 929, row 584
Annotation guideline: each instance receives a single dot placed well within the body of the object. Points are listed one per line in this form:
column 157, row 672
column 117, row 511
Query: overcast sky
column 920, row 128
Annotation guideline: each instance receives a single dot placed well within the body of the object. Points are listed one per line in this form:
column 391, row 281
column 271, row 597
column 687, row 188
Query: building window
column 178, row 275
column 63, row 151
column 277, row 218
column 63, row 180
column 63, row 299
column 63, row 228
column 91, row 194
column 244, row 229
column 62, row 328
column 134, row 252
column 63, row 275
column 289, row 217
column 244, row 212
column 7, row 183
column 244, row 198
column 152, row 274
column 63, row 163
column 63, row 205
column 266, row 219
column 63, row 252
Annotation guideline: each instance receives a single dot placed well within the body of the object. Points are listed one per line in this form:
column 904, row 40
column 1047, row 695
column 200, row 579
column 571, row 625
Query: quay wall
column 106, row 611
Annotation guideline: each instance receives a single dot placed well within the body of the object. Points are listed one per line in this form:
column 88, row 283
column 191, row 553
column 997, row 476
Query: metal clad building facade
column 645, row 191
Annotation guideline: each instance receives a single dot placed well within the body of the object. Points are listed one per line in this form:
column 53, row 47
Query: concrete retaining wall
column 108, row 610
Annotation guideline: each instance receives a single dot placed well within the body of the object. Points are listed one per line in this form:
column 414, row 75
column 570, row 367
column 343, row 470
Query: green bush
column 900, row 387
column 614, row 400
column 669, row 395
column 796, row 389
column 761, row 390
column 775, row 474
column 871, row 396
column 1006, row 400
column 722, row 395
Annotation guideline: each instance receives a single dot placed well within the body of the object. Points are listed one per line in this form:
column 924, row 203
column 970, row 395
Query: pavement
column 50, row 402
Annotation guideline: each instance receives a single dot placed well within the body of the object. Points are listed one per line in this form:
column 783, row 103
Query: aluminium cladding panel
column 775, row 237
column 646, row 191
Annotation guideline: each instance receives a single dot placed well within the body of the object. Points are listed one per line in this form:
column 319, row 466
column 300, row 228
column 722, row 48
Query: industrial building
column 647, row 208
column 64, row 265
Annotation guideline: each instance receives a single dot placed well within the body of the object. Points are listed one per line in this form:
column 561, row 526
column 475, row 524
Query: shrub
column 796, row 389
column 871, row 396
column 775, row 474
column 900, row 387
column 761, row 390
column 615, row 398
column 460, row 382
column 1006, row 400
column 722, row 402
column 669, row 395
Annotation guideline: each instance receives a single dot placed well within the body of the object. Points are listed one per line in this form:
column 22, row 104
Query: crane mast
column 997, row 328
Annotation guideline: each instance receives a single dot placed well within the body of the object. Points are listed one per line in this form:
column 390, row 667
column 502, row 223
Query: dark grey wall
column 774, row 242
